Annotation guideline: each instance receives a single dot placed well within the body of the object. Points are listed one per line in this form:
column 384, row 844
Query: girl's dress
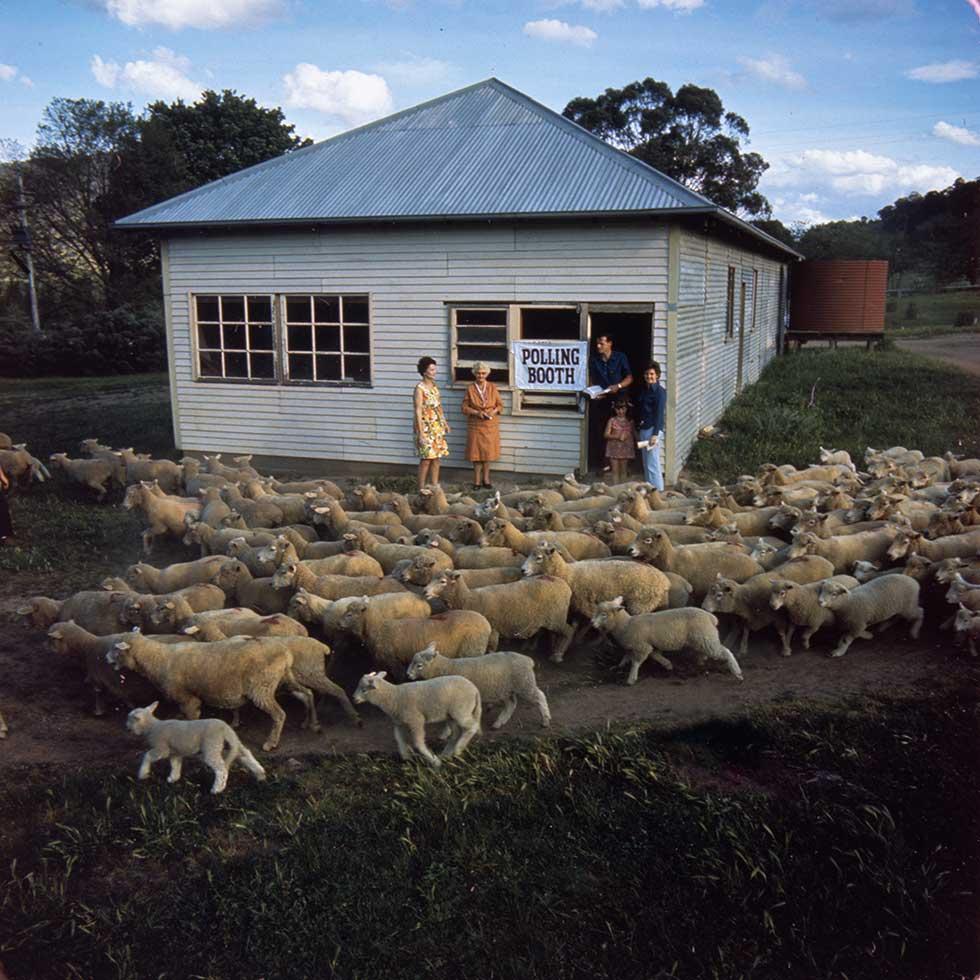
column 616, row 448
column 430, row 440
column 482, row 435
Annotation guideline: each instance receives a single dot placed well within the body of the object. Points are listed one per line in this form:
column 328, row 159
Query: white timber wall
column 409, row 274
column 707, row 360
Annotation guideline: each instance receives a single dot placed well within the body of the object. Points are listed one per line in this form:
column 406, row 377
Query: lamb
column 21, row 466
column 388, row 555
column 574, row 545
column 843, row 551
column 907, row 542
column 670, row 631
column 68, row 639
column 96, row 611
column 220, row 624
column 168, row 474
column 339, row 522
column 642, row 587
column 698, row 563
column 749, row 602
column 840, row 457
column 295, row 575
column 213, row 508
column 226, row 674
column 802, row 607
column 967, row 623
column 263, row 595
column 164, row 516
column 96, row 474
column 411, row 706
column 417, row 522
column 824, row 474
column 959, row 468
column 216, row 542
column 175, row 740
column 256, row 513
column 393, row 643
column 499, row 677
column 877, row 601
column 311, row 608
column 434, row 502
column 150, row 611
column 423, row 568
column 235, row 474
column 195, row 480
column 174, row 577
column 516, row 610
column 547, row 497
column 292, row 505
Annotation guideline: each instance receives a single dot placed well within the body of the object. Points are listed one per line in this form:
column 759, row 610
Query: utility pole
column 23, row 252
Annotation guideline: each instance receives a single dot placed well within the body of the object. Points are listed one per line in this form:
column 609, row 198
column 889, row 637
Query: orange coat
column 482, row 435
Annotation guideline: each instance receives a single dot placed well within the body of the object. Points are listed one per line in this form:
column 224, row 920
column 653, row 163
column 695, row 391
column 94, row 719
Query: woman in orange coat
column 482, row 407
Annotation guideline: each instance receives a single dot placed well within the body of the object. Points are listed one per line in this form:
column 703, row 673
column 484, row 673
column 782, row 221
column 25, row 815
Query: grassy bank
column 859, row 399
column 836, row 845
column 931, row 313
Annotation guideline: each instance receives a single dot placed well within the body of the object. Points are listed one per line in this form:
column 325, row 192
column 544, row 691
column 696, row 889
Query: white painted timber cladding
column 409, row 274
column 707, row 361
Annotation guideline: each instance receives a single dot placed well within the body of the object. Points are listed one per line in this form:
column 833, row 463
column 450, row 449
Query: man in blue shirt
column 651, row 410
column 611, row 369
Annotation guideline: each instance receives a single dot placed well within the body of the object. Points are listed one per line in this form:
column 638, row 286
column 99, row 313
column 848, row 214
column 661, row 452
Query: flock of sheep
column 431, row 587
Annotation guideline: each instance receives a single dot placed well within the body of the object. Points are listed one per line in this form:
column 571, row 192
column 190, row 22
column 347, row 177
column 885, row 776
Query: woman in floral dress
column 431, row 426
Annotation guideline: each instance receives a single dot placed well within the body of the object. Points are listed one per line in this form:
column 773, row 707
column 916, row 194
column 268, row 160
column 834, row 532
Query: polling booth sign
column 550, row 365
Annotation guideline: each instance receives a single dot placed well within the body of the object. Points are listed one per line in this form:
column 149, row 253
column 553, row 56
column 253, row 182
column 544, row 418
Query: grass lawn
column 860, row 399
column 805, row 840
column 934, row 313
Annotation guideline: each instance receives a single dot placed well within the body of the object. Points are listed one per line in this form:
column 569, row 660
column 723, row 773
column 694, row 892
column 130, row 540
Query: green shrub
column 966, row 318
column 127, row 340
column 911, row 311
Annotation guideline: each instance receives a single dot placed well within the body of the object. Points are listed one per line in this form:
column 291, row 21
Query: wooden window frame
column 730, row 304
column 283, row 334
column 196, row 348
column 755, row 300
column 454, row 358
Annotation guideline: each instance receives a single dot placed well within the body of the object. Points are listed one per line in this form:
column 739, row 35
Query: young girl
column 620, row 441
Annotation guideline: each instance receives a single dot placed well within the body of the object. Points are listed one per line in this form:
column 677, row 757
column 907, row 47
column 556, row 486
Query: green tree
column 862, row 239
column 686, row 135
column 779, row 231
column 192, row 144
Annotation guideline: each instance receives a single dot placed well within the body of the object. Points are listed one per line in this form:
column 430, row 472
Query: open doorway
column 631, row 331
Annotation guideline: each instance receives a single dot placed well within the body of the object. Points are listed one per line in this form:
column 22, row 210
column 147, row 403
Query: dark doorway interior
column 632, row 333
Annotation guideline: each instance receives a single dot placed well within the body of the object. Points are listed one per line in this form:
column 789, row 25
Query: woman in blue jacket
column 651, row 407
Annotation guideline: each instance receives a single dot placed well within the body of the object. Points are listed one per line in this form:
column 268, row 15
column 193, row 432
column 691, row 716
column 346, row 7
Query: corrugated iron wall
column 839, row 296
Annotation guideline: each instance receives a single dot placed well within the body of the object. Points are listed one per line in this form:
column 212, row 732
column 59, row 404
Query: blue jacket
column 651, row 408
column 609, row 372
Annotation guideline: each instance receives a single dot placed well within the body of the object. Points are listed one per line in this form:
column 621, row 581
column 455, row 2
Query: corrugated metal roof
column 484, row 151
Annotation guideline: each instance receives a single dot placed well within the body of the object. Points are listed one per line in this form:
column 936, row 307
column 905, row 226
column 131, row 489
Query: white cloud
column 354, row 96
column 944, row 71
column 558, row 30
column 678, row 6
column 26, row 82
column 857, row 172
column 415, row 70
column 203, row 14
column 165, row 77
column 774, row 69
column 7, row 72
column 602, row 6
column 956, row 134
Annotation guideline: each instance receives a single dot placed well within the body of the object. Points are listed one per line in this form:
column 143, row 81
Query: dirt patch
column 48, row 708
column 960, row 350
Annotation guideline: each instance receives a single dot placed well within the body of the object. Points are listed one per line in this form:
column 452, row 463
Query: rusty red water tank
column 839, row 296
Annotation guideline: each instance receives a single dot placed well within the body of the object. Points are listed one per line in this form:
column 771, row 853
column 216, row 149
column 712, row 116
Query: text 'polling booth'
column 550, row 365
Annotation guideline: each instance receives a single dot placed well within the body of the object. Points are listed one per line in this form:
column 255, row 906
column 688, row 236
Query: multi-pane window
column 235, row 337
column 327, row 338
column 480, row 335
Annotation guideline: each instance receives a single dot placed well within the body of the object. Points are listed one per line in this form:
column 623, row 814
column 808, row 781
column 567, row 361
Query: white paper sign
column 541, row 365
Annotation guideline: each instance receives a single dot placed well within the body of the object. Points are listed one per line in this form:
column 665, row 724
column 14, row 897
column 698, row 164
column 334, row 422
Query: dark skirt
column 6, row 528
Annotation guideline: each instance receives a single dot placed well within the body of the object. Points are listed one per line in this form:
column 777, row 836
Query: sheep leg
column 191, row 707
column 416, row 735
column 662, row 660
column 843, row 646
column 236, row 720
column 866, row 635
column 3, row 727
column 455, row 731
column 786, row 635
column 149, row 757
column 326, row 686
column 561, row 640
column 147, row 541
column 465, row 737
column 807, row 633
column 727, row 657
column 305, row 697
column 916, row 621
column 266, row 702
column 99, row 709
column 402, row 741
column 947, row 624
column 634, row 661
column 216, row 763
column 743, row 644
column 505, row 713
column 176, row 764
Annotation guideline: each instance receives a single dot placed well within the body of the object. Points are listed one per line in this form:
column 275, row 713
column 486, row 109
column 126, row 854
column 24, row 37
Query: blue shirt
column 651, row 407
column 609, row 372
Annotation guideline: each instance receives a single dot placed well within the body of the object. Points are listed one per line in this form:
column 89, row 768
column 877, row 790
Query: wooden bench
column 800, row 337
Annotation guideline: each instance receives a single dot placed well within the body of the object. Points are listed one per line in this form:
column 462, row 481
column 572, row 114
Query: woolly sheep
column 411, row 706
column 840, row 457
column 698, row 563
column 670, row 631
column 388, row 555
column 573, row 545
column 423, row 568
column 515, row 610
column 96, row 474
column 157, row 613
column 842, row 552
column 263, row 595
column 97, row 612
column 168, row 474
column 499, row 677
column 21, row 466
column 213, row 507
column 802, row 608
column 256, row 513
column 163, row 516
column 221, row 624
column 175, row 740
column 908, row 542
column 216, row 542
column 874, row 602
column 967, row 624
column 174, row 577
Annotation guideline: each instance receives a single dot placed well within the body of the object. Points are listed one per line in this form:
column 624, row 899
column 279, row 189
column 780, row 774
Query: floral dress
column 430, row 440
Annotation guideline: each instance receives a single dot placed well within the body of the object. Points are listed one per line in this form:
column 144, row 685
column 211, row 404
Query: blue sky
column 852, row 102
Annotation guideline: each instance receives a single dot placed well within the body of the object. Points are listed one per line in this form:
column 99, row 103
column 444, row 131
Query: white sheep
column 877, row 601
column 841, row 457
column 176, row 740
column 967, row 623
column 413, row 705
column 499, row 677
column 800, row 601
column 96, row 474
column 670, row 630
column 178, row 576
column 96, row 611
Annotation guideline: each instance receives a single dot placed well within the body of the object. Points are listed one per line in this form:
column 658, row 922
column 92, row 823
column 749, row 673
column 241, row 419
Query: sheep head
column 607, row 613
column 905, row 543
column 831, row 592
column 140, row 720
column 421, row 660
column 367, row 684
column 780, row 590
column 445, row 582
column 285, row 575
column 721, row 595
